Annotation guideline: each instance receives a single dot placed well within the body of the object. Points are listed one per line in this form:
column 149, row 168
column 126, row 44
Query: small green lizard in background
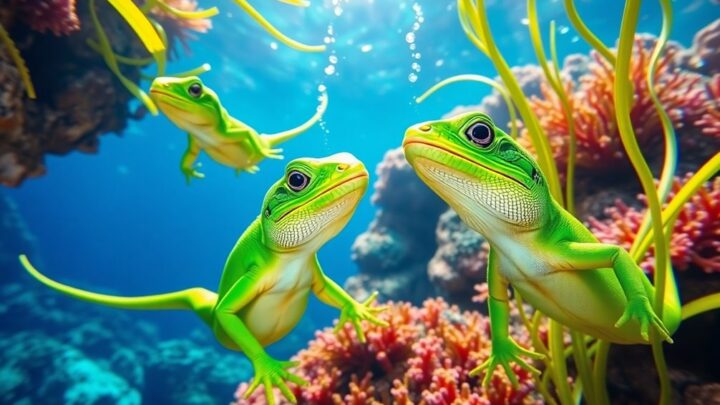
column 544, row 252
column 196, row 109
column 272, row 269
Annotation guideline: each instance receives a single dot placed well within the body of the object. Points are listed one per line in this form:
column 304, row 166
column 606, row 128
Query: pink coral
column 180, row 29
column 695, row 240
column 709, row 122
column 599, row 147
column 57, row 16
column 424, row 355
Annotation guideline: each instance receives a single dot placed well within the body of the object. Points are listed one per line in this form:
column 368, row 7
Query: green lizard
column 272, row 269
column 196, row 109
column 547, row 255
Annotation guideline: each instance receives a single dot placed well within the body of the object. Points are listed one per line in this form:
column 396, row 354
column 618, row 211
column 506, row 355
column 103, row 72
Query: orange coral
column 709, row 122
column 424, row 356
column 599, row 147
column 695, row 240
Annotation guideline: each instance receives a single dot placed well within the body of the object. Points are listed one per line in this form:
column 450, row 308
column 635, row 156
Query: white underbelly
column 274, row 314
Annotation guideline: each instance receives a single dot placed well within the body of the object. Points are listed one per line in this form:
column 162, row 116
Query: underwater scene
column 359, row 202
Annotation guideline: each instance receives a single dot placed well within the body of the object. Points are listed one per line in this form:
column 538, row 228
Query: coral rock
column 58, row 16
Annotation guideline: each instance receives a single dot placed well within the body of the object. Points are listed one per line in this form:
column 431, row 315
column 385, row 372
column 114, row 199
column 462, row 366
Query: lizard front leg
column 352, row 311
column 188, row 160
column 268, row 371
column 504, row 349
column 590, row 256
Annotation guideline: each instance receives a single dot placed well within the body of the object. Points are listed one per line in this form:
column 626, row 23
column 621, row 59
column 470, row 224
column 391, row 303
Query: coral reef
column 73, row 352
column 599, row 148
column 695, row 240
column 180, row 30
column 704, row 54
column 709, row 122
column 424, row 355
column 393, row 253
column 460, row 260
column 78, row 98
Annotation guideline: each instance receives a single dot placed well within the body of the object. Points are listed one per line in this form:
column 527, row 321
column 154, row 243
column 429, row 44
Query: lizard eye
column 297, row 181
column 195, row 90
column 480, row 134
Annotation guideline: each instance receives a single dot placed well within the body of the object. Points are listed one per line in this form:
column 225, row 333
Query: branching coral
column 424, row 356
column 599, row 147
column 709, row 122
column 695, row 239
column 58, row 16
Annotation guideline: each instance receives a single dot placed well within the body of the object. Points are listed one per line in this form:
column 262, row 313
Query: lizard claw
column 356, row 312
column 273, row 374
column 502, row 354
column 639, row 308
column 191, row 173
column 273, row 153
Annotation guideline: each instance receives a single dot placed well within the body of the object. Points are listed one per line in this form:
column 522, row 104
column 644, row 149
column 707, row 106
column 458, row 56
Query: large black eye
column 297, row 181
column 195, row 90
column 480, row 134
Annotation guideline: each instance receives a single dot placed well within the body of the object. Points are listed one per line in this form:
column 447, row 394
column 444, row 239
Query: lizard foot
column 639, row 308
column 191, row 173
column 273, row 373
column 273, row 153
column 355, row 312
column 503, row 353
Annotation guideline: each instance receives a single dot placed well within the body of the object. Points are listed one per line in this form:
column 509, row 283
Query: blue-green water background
column 124, row 221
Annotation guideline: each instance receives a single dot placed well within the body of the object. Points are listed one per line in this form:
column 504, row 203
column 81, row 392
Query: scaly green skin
column 271, row 270
column 545, row 253
column 197, row 110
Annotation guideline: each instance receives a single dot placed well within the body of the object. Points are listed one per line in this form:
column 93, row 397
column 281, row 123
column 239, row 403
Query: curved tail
column 281, row 137
column 198, row 300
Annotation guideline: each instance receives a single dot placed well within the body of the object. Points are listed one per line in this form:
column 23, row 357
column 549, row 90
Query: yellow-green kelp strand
column 480, row 79
column 255, row 15
column 18, row 61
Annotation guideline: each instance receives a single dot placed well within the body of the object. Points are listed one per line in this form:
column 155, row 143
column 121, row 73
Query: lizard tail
column 198, row 300
column 281, row 137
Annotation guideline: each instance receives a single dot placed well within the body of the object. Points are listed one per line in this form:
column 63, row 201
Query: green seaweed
column 19, row 62
column 590, row 355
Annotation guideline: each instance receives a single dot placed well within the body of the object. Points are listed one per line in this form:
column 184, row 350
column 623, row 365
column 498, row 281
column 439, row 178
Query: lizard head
column 188, row 103
column 479, row 170
column 313, row 201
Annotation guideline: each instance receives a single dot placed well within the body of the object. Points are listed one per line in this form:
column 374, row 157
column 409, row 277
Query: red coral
column 710, row 120
column 57, row 16
column 695, row 240
column 599, row 147
column 423, row 356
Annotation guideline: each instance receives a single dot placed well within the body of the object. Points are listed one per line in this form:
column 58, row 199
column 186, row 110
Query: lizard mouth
column 427, row 144
column 336, row 186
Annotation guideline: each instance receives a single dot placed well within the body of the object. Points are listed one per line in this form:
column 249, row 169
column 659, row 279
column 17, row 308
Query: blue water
column 124, row 221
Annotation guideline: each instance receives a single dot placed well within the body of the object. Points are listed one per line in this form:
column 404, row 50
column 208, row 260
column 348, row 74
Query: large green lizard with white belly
column 272, row 269
column 196, row 109
column 545, row 253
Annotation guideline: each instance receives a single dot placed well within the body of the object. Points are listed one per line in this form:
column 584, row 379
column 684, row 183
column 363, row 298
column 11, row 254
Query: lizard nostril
column 342, row 167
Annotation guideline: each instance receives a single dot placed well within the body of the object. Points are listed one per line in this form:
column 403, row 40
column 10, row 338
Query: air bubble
column 412, row 77
column 330, row 70
column 410, row 37
column 333, row 59
column 366, row 48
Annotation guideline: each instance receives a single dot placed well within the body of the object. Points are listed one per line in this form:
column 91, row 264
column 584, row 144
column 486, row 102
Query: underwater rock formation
column 704, row 54
column 460, row 260
column 392, row 254
column 77, row 97
column 424, row 355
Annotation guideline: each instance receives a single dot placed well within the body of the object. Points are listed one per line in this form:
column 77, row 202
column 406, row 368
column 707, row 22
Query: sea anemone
column 695, row 240
column 599, row 148
column 424, row 355
column 178, row 29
